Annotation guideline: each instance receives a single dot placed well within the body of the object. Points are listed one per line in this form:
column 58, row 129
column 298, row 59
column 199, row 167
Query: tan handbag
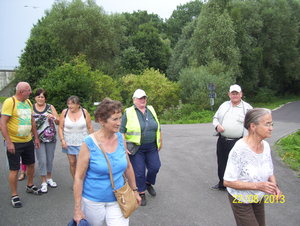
column 125, row 195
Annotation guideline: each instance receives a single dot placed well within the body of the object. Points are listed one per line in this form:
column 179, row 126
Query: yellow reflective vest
column 133, row 133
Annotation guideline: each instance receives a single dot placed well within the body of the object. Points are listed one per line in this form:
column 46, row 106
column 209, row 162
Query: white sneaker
column 51, row 183
column 44, row 187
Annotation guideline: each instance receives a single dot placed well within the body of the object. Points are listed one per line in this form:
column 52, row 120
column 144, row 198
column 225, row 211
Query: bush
column 194, row 84
column 105, row 86
column 185, row 114
column 161, row 92
column 264, row 95
column 70, row 79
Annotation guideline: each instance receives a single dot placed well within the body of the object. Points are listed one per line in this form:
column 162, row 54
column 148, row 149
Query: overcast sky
column 16, row 20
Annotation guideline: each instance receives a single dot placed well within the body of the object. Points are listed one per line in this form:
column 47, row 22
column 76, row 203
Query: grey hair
column 254, row 116
column 74, row 100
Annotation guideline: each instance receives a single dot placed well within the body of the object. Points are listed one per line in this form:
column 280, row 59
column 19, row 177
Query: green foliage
column 180, row 17
column 161, row 92
column 194, row 84
column 104, row 86
column 42, row 53
column 2, row 99
column 132, row 61
column 70, row 79
column 135, row 19
column 148, row 41
column 183, row 53
column 268, row 37
column 288, row 148
column 214, row 39
column 265, row 95
column 275, row 102
column 185, row 114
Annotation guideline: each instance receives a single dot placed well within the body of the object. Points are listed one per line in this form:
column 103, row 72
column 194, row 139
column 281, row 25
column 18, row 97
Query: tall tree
column 135, row 19
column 183, row 53
column 180, row 18
column 214, row 38
column 148, row 40
column 43, row 52
column 68, row 29
column 85, row 28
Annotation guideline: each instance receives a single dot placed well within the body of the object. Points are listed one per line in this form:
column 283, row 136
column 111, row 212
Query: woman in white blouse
column 249, row 171
column 74, row 125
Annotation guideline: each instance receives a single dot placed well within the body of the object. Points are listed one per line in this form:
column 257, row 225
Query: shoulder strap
column 66, row 112
column 83, row 112
column 109, row 167
column 28, row 102
column 13, row 98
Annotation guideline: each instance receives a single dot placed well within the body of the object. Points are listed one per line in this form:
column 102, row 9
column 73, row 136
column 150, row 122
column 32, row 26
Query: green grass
column 277, row 102
column 288, row 148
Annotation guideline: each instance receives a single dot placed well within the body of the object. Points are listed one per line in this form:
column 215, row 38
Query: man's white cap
column 236, row 88
column 139, row 93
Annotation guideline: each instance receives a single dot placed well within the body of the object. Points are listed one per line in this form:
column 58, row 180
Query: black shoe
column 151, row 190
column 16, row 202
column 143, row 196
column 217, row 188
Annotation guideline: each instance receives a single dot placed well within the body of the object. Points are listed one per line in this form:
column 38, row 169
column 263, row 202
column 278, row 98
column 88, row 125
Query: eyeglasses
column 142, row 98
column 268, row 124
column 29, row 90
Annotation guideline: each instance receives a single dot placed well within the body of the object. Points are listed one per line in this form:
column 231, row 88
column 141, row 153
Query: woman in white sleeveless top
column 74, row 125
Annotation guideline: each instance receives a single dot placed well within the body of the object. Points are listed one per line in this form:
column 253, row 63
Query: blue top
column 97, row 186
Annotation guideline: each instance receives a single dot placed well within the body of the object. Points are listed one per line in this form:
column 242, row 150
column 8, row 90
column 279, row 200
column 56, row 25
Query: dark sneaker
column 16, row 202
column 151, row 190
column 217, row 188
column 143, row 196
column 34, row 190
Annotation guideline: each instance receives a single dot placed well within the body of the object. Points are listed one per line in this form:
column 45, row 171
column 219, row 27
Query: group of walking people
column 132, row 142
column 30, row 129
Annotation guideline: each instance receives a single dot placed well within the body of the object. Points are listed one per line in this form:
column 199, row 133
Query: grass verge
column 288, row 149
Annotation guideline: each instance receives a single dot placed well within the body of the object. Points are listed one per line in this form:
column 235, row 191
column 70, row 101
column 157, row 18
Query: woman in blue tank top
column 93, row 193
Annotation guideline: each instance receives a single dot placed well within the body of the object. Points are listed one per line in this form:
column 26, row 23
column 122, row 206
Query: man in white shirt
column 229, row 123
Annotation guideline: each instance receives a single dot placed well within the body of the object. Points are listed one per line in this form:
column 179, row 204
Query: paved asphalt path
column 183, row 184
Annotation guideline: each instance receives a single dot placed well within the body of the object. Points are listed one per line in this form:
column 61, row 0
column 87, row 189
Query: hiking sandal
column 34, row 190
column 16, row 202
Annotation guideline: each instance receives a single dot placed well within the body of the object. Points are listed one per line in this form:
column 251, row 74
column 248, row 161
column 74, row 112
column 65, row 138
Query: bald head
column 21, row 86
column 23, row 90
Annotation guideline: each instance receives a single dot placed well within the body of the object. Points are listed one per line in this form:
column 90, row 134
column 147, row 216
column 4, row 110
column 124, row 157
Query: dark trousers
column 248, row 214
column 224, row 146
column 145, row 158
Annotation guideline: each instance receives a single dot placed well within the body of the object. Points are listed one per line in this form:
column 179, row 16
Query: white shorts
column 97, row 213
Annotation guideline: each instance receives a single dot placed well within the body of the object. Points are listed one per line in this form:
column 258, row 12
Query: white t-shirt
column 245, row 165
column 233, row 122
